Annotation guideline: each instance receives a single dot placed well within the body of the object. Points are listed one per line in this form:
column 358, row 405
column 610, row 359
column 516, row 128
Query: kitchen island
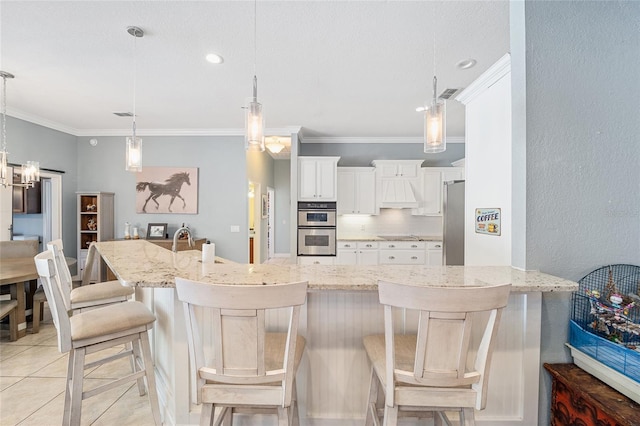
column 342, row 307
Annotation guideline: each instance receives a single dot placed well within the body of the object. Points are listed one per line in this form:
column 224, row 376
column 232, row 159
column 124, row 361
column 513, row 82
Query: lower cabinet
column 402, row 253
column 357, row 253
column 434, row 253
column 316, row 260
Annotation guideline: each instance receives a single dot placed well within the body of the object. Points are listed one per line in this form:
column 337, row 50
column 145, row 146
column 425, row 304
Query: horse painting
column 171, row 187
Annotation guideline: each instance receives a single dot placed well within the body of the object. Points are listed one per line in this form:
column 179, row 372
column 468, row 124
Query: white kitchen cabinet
column 316, row 260
column 402, row 253
column 398, row 168
column 317, row 178
column 433, row 179
column 434, row 253
column 357, row 253
column 356, row 190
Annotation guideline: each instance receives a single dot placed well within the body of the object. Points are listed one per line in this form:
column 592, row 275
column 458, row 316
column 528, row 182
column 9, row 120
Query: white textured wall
column 582, row 148
column 488, row 170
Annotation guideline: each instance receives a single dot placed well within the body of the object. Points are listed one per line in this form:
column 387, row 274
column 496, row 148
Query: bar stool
column 93, row 331
column 250, row 367
column 437, row 369
column 89, row 296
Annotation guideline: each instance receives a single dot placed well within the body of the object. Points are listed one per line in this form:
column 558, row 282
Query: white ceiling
column 336, row 68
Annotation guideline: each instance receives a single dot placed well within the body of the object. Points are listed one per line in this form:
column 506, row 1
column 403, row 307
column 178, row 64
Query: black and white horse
column 171, row 187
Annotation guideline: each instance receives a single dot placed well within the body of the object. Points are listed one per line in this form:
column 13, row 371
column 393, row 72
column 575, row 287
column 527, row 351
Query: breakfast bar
column 341, row 308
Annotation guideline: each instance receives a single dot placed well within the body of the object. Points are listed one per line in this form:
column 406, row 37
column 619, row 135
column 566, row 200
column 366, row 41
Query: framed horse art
column 157, row 188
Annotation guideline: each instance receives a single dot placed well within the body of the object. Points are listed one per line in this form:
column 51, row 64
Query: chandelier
column 30, row 170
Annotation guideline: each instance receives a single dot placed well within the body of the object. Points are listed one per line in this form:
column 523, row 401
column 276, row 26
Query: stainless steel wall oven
column 317, row 228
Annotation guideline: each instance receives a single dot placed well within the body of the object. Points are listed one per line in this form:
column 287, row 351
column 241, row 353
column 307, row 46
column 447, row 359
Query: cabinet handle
column 316, row 262
column 391, row 246
column 391, row 257
column 369, row 245
column 347, row 245
column 414, row 257
column 414, row 246
column 438, row 246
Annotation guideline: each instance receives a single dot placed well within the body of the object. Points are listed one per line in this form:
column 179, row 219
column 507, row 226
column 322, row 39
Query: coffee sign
column 488, row 221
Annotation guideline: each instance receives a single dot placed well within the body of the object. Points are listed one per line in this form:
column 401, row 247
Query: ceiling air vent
column 448, row 93
column 123, row 114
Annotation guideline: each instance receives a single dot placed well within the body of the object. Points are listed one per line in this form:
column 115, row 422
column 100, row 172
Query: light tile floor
column 32, row 376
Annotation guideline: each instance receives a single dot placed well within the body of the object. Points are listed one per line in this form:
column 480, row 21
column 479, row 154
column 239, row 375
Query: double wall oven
column 317, row 228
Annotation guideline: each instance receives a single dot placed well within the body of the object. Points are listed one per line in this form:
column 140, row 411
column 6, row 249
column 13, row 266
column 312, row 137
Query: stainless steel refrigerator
column 453, row 223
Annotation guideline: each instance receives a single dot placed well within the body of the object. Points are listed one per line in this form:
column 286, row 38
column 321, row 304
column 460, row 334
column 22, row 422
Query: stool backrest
column 238, row 317
column 443, row 357
column 18, row 248
column 45, row 264
column 64, row 275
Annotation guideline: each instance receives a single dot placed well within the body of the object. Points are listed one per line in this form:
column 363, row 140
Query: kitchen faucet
column 174, row 247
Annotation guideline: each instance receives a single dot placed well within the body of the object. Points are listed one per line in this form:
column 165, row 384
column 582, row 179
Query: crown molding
column 41, row 121
column 486, row 79
column 370, row 140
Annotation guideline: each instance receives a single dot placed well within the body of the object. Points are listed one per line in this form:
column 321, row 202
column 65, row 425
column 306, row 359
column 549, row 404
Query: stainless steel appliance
column 316, row 229
column 453, row 223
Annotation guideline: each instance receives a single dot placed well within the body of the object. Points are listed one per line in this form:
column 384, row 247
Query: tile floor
column 32, row 376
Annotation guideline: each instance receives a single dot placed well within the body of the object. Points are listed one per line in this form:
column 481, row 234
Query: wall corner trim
column 486, row 80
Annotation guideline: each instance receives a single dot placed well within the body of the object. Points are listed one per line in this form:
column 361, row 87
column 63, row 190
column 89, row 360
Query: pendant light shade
column 133, row 156
column 30, row 170
column 435, row 124
column 254, row 122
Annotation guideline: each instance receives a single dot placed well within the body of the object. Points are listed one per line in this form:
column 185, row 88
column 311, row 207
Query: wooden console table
column 579, row 398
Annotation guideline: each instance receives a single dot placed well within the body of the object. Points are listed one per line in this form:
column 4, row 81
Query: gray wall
column 582, row 151
column 282, row 182
column 361, row 154
column 54, row 150
column 222, row 193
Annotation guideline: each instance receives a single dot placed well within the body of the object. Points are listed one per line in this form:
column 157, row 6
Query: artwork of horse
column 171, row 187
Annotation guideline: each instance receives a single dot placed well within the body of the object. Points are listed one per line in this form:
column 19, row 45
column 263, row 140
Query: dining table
column 15, row 273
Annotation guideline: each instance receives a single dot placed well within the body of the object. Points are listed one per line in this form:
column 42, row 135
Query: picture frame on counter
column 156, row 231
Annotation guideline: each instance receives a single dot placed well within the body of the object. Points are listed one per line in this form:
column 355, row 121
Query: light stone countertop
column 140, row 263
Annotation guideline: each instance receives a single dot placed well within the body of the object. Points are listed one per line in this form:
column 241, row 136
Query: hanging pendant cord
column 433, row 28
column 255, row 51
column 135, row 69
column 4, row 113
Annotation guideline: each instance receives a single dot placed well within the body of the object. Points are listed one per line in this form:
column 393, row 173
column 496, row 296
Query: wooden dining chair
column 84, row 297
column 16, row 249
column 248, row 367
column 95, row 330
column 438, row 369
column 9, row 308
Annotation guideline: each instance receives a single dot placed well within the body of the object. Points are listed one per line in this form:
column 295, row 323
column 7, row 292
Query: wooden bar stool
column 437, row 369
column 251, row 368
column 93, row 331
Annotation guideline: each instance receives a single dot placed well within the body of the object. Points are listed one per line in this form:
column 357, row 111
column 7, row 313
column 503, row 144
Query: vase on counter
column 135, row 233
column 127, row 231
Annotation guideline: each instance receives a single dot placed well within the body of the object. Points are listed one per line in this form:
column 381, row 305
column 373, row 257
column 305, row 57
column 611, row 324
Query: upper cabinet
column 356, row 190
column 317, row 178
column 432, row 181
column 397, row 168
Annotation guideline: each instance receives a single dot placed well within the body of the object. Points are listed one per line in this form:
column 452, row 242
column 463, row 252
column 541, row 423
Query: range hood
column 398, row 194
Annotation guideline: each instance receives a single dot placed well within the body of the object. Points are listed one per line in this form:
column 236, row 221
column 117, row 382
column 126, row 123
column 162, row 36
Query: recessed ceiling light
column 214, row 58
column 466, row 64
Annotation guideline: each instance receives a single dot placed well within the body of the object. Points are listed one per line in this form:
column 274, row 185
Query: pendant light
column 134, row 143
column 30, row 170
column 254, row 120
column 434, row 114
column 274, row 145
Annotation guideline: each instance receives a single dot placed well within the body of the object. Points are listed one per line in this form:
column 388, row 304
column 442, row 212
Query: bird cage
column 605, row 319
